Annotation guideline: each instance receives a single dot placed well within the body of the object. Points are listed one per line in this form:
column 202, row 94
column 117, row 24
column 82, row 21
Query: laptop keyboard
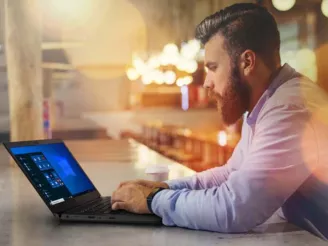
column 100, row 206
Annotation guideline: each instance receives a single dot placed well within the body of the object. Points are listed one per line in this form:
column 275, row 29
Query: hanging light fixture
column 283, row 5
column 132, row 74
column 170, row 77
column 154, row 62
column 139, row 65
column 222, row 138
column 146, row 79
column 171, row 66
column 192, row 66
column 158, row 77
column 324, row 7
column 171, row 49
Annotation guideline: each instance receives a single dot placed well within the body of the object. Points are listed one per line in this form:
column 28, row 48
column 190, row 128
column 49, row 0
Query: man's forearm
column 204, row 180
column 210, row 178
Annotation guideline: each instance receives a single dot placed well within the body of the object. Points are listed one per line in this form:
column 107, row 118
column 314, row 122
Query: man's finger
column 125, row 183
column 142, row 182
column 114, row 197
column 122, row 183
column 120, row 205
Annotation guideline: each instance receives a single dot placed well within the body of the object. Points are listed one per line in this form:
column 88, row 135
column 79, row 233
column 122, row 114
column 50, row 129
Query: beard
column 235, row 100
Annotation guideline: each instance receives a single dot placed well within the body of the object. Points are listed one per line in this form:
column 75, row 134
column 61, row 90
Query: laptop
column 64, row 186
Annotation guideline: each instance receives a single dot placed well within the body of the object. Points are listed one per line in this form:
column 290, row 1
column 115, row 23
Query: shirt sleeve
column 210, row 178
column 279, row 160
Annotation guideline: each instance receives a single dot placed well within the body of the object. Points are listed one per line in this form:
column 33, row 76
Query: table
column 25, row 220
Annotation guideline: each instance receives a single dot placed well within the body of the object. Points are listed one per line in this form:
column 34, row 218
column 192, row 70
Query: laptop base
column 126, row 218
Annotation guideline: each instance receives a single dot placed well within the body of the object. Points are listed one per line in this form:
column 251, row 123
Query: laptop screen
column 54, row 171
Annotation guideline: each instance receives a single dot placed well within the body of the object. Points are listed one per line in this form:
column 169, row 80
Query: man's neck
column 257, row 94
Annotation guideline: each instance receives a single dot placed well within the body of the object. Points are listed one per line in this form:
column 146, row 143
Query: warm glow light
column 283, row 5
column 194, row 45
column 169, row 77
column 132, row 74
column 165, row 59
column 137, row 62
column 171, row 49
column 140, row 66
column 159, row 82
column 146, row 79
column 187, row 52
column 187, row 65
column 201, row 55
column 154, row 62
column 174, row 59
column 182, row 64
column 158, row 77
column 324, row 7
column 222, row 138
column 191, row 66
column 187, row 132
column 191, row 49
column 180, row 82
column 187, row 80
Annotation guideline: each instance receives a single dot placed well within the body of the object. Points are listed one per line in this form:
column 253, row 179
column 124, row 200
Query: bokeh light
column 283, row 5
column 324, row 7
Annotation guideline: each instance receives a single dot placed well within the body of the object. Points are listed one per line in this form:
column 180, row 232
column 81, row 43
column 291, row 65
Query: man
column 280, row 161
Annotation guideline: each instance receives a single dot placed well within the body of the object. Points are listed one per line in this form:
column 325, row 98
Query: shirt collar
column 286, row 73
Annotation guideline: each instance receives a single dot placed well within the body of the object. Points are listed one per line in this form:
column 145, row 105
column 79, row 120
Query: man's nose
column 208, row 84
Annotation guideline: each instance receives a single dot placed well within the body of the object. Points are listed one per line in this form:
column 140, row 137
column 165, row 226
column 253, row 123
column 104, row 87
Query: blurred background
column 114, row 69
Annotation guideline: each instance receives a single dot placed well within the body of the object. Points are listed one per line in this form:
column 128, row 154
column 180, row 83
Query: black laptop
column 63, row 185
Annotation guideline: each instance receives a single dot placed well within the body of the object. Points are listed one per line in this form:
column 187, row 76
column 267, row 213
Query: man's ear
column 247, row 64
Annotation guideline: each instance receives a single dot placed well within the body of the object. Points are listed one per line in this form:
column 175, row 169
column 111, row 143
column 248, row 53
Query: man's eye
column 212, row 68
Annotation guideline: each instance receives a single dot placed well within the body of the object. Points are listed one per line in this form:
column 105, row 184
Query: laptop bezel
column 68, row 204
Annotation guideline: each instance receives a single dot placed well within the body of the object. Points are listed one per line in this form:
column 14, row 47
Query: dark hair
column 244, row 26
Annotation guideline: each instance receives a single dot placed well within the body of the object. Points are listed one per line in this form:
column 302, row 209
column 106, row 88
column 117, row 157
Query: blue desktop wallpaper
column 62, row 161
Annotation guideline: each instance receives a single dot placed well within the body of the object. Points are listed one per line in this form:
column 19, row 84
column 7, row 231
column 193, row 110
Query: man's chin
column 229, row 118
column 228, row 122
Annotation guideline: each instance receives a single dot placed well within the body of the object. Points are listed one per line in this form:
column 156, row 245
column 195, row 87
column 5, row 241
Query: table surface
column 25, row 220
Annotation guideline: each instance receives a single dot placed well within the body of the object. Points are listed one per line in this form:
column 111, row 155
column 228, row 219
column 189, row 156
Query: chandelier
column 173, row 66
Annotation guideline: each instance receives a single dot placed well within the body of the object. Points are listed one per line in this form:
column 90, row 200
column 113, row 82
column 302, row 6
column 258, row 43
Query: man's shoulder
column 299, row 92
column 298, row 96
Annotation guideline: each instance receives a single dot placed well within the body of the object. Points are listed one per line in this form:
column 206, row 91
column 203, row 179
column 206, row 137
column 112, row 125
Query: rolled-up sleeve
column 280, row 158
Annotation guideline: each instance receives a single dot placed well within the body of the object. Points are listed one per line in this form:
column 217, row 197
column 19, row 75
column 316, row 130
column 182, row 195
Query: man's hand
column 147, row 183
column 131, row 197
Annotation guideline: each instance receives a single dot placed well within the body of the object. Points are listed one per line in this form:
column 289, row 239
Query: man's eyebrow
column 209, row 64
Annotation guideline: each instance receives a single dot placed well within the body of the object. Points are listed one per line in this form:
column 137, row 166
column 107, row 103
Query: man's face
column 224, row 81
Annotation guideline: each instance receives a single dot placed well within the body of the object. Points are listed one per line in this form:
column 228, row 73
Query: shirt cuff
column 157, row 201
column 163, row 205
